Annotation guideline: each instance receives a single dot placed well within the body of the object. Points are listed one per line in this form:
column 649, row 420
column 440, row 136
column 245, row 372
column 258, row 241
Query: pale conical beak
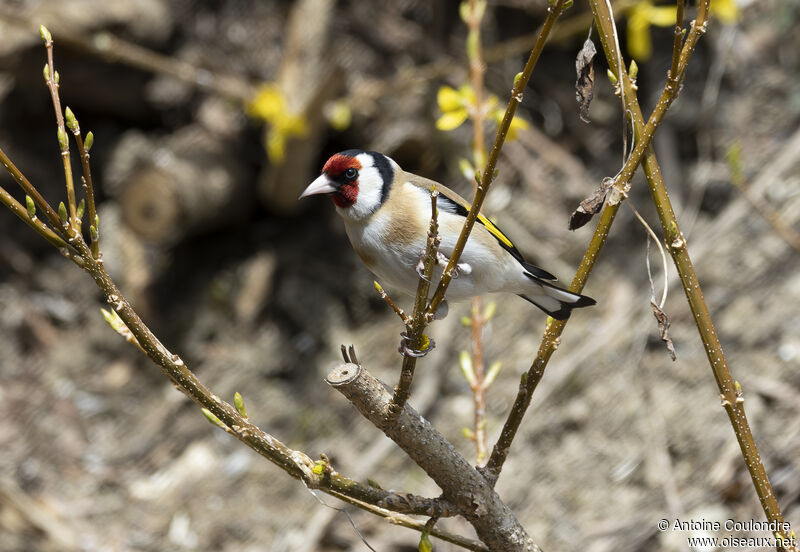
column 322, row 185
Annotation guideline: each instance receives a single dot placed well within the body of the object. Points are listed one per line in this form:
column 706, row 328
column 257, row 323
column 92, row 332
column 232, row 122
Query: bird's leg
column 442, row 260
column 421, row 268
column 461, row 268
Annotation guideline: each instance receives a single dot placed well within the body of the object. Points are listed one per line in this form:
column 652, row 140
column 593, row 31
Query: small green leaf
column 468, row 433
column 492, row 373
column 425, row 543
column 62, row 139
column 238, row 402
column 319, row 468
column 89, row 141
column 46, row 72
column 213, row 419
column 611, row 76
column 116, row 323
column 30, row 205
column 58, row 77
column 634, row 70
column 466, row 321
column 517, row 78
column 81, row 208
column 378, row 287
column 465, row 362
column 93, row 233
column 464, row 11
column 72, row 122
column 46, row 36
column 490, row 310
column 567, row 5
column 62, row 212
column 466, row 168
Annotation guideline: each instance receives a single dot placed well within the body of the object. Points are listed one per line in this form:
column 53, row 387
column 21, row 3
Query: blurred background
column 210, row 118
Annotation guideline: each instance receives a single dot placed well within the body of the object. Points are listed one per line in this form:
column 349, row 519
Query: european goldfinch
column 386, row 214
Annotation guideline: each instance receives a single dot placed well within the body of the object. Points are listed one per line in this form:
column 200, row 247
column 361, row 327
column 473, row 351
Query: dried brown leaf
column 584, row 86
column 590, row 206
column 663, row 327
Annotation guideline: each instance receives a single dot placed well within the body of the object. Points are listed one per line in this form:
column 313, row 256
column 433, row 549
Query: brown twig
column 385, row 296
column 520, row 83
column 419, row 319
column 477, row 70
column 52, row 85
column 730, row 391
column 88, row 188
column 31, row 220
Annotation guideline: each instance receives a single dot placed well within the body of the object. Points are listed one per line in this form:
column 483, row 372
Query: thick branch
column 461, row 484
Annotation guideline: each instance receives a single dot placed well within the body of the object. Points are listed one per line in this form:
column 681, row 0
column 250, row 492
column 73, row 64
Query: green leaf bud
column 81, row 209
column 62, row 139
column 88, row 141
column 31, row 206
column 634, row 70
column 238, row 402
column 46, row 36
column 465, row 361
column 62, row 212
column 72, row 122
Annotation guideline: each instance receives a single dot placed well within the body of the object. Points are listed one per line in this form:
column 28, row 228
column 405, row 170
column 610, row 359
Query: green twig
column 730, row 391
column 520, row 83
column 552, row 335
column 51, row 78
column 419, row 319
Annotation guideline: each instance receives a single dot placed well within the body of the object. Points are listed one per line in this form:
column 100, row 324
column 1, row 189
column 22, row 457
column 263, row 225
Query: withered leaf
column 663, row 327
column 584, row 86
column 590, row 206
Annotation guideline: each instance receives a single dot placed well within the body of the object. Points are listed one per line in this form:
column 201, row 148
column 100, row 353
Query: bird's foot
column 406, row 350
column 461, row 268
column 421, row 268
column 442, row 260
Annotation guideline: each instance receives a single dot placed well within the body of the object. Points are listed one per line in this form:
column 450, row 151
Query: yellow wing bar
column 495, row 231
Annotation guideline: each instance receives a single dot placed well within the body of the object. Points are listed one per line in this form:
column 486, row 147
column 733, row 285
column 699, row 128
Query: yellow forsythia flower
column 640, row 18
column 726, row 10
column 270, row 106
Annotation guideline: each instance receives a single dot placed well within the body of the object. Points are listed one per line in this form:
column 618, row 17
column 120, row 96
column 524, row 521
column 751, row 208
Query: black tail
column 557, row 302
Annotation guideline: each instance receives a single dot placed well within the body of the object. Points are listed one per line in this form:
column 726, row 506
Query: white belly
column 395, row 265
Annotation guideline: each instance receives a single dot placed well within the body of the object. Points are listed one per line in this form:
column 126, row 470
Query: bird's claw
column 405, row 350
column 421, row 269
column 442, row 260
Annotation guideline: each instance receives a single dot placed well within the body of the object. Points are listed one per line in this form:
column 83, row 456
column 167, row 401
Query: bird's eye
column 350, row 174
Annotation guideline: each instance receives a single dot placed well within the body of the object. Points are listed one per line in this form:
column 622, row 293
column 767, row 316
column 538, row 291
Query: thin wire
column 651, row 234
column 345, row 512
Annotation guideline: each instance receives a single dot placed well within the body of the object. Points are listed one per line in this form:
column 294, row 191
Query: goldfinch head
column 357, row 181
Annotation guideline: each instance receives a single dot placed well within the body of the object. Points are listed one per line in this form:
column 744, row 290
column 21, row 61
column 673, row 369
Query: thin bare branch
column 520, row 83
